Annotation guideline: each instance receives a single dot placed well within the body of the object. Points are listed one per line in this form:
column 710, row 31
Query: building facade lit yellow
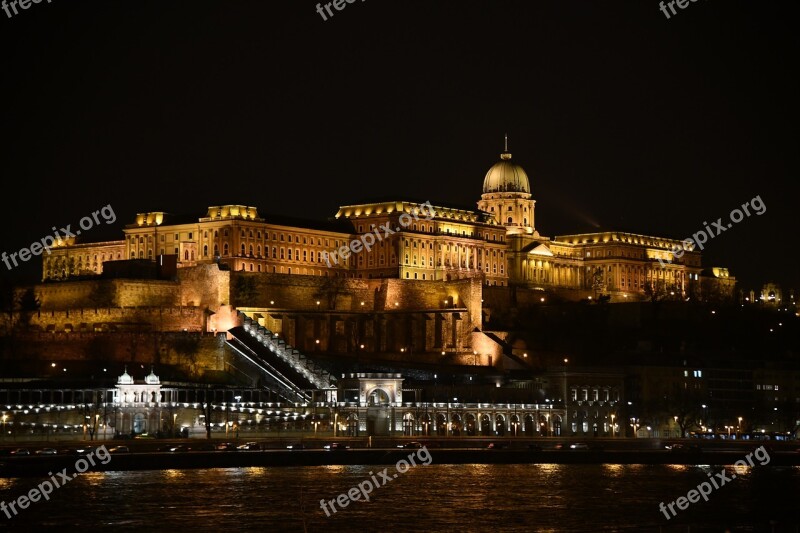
column 498, row 242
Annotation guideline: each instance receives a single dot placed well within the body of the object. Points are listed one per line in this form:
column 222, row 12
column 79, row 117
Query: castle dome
column 505, row 176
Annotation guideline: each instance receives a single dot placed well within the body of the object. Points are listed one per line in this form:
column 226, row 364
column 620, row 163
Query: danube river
column 466, row 497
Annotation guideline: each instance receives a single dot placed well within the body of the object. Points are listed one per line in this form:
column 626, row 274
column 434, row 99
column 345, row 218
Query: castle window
column 191, row 235
column 510, row 208
column 242, row 248
column 225, row 249
column 274, row 253
column 216, row 234
column 205, row 250
column 289, row 238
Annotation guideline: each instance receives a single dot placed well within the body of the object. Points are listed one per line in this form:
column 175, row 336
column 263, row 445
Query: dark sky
column 622, row 118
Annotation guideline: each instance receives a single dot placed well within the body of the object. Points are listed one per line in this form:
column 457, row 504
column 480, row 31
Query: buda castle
column 497, row 242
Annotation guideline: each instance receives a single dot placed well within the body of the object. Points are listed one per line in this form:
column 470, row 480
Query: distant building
column 498, row 242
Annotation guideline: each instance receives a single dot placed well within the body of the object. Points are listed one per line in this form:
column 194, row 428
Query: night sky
column 622, row 118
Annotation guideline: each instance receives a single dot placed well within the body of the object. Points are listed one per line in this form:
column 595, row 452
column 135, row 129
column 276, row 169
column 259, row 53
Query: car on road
column 497, row 445
column 296, row 446
column 225, row 447
column 412, row 444
column 578, row 446
column 334, row 446
column 47, row 451
column 249, row 446
column 120, row 449
column 21, row 451
column 180, row 448
column 144, row 436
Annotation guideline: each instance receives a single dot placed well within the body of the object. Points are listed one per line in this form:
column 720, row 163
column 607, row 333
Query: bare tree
column 331, row 289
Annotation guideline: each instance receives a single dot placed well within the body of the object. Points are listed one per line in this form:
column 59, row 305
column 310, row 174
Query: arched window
column 205, row 250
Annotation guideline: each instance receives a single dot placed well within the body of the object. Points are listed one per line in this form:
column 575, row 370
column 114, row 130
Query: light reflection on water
column 476, row 497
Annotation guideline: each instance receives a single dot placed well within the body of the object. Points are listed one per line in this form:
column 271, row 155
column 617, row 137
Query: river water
column 530, row 497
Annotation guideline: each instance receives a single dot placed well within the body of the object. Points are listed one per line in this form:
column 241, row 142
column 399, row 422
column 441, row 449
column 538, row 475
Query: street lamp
column 612, row 425
column 739, row 428
column 5, row 416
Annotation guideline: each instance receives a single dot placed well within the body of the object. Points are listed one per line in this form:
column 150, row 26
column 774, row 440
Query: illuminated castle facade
column 498, row 242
